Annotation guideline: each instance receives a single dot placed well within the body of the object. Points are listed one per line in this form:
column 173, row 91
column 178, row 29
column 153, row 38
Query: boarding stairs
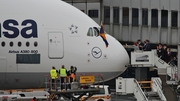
column 152, row 96
column 150, row 59
column 125, row 86
column 156, row 94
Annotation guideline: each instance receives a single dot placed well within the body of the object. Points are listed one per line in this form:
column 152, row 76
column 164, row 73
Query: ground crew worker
column 53, row 74
column 63, row 75
column 34, row 99
column 72, row 73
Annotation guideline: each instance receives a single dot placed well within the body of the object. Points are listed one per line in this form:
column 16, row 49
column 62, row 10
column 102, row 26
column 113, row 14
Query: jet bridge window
column 174, row 19
column 28, row 58
column 93, row 13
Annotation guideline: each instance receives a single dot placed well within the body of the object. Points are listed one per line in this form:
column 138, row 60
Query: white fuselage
column 60, row 31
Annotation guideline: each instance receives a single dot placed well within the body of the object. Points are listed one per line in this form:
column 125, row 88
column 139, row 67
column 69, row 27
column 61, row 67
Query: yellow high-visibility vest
column 53, row 74
column 63, row 72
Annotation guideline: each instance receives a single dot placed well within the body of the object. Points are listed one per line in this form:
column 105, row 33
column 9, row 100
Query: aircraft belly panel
column 56, row 47
column 3, row 63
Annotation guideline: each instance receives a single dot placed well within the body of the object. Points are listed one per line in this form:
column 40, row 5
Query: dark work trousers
column 71, row 80
column 63, row 82
column 53, row 83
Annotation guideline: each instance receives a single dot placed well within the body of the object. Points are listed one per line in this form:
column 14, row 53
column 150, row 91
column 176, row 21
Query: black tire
column 100, row 100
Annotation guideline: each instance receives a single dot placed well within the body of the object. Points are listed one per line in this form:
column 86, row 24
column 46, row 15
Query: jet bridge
column 150, row 59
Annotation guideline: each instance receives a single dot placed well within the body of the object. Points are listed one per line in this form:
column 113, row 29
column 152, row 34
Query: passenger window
column 19, row 44
column 35, row 44
column 3, row 44
column 11, row 43
column 27, row 44
column 90, row 32
column 96, row 31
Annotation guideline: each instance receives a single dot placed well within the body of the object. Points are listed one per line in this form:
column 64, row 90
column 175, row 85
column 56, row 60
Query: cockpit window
column 90, row 32
column 96, row 31
column 93, row 32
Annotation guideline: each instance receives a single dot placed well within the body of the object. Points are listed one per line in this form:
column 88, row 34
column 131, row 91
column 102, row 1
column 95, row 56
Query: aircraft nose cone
column 120, row 57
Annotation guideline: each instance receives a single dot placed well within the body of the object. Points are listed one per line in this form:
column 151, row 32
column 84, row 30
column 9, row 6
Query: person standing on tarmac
column 54, row 75
column 63, row 75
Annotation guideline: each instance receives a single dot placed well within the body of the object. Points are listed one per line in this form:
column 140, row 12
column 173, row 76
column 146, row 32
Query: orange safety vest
column 72, row 76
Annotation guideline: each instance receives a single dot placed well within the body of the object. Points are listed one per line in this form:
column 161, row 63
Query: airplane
column 38, row 34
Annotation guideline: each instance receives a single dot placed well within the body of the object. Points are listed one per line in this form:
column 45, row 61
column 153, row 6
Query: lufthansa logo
column 96, row 52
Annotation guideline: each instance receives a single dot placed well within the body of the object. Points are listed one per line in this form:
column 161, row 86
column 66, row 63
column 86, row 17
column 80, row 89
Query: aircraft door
column 56, row 45
column 3, row 69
